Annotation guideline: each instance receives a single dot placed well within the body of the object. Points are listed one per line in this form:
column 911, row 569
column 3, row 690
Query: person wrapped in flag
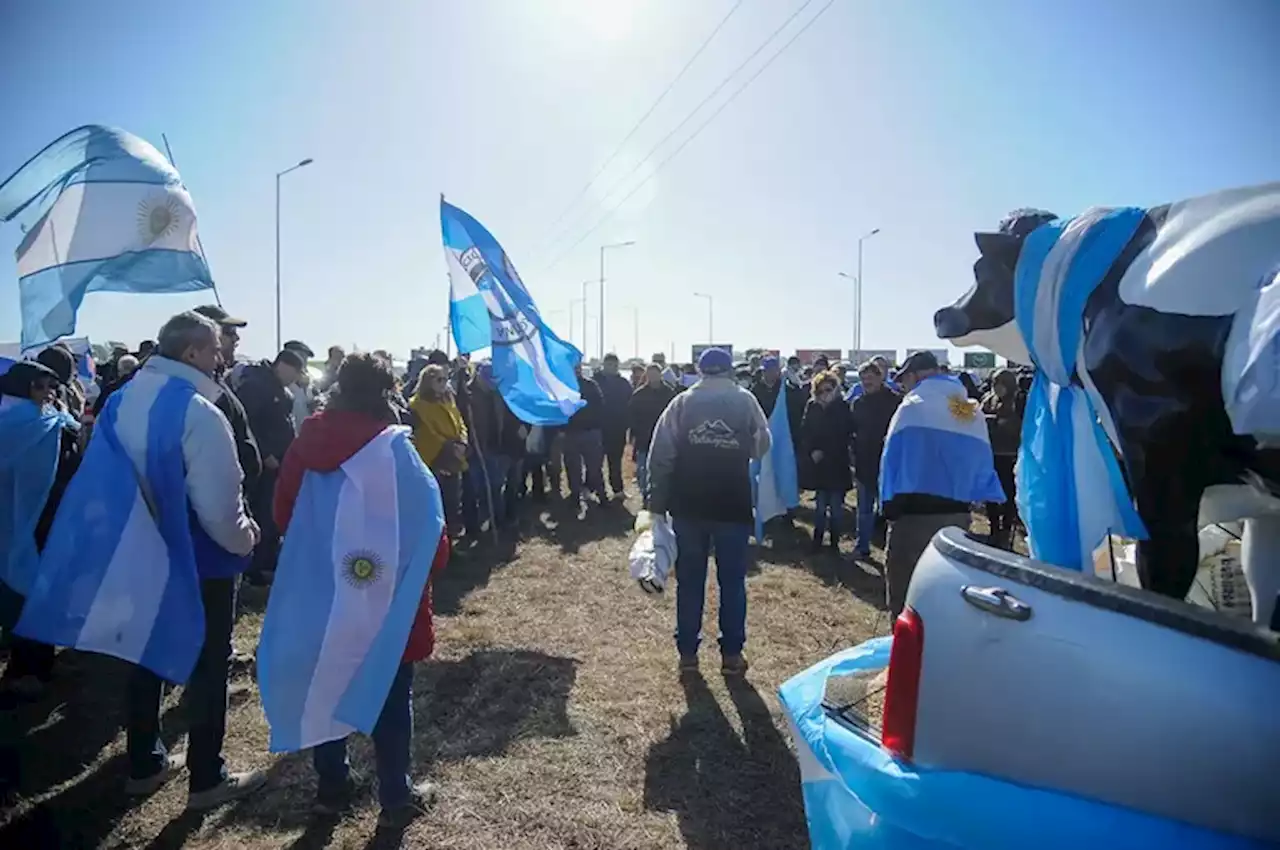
column 350, row 610
column 39, row 453
column 937, row 462
column 144, row 553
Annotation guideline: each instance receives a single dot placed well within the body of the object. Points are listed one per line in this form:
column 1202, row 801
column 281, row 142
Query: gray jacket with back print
column 700, row 457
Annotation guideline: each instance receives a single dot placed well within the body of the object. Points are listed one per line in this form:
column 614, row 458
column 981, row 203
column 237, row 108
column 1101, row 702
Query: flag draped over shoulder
column 30, row 438
column 1071, row 492
column 938, row 445
column 490, row 308
column 110, row 214
column 118, row 573
column 777, row 490
column 352, row 571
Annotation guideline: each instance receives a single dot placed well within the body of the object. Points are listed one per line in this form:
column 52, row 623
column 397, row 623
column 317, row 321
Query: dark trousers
column 695, row 540
column 1003, row 516
column 268, row 548
column 26, row 657
column 451, row 496
column 205, row 698
column 909, row 536
column 392, row 739
column 830, row 509
column 615, row 445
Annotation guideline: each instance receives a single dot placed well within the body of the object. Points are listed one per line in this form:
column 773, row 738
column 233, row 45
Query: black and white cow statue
column 1189, row 301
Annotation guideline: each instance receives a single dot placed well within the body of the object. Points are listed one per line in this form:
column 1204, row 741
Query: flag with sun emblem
column 938, row 445
column 351, row 574
column 107, row 213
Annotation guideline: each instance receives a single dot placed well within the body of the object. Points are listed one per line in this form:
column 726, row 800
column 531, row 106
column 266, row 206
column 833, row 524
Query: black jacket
column 828, row 429
column 1004, row 424
column 615, row 390
column 591, row 417
column 872, row 413
column 646, row 405
column 269, row 408
column 246, row 443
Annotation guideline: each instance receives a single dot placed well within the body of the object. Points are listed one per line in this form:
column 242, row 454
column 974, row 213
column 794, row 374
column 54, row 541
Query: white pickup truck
column 1151, row 717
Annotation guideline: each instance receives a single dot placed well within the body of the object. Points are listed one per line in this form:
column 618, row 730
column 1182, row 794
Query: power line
column 631, row 133
column 719, row 86
column 699, row 129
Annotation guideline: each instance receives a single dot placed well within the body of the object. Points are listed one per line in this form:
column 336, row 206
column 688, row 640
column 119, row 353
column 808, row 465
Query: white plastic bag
column 653, row 555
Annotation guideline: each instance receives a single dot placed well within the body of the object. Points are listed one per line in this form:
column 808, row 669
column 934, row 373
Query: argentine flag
column 777, row 490
column 110, row 214
column 938, row 445
column 489, row 307
column 351, row 574
column 118, row 574
column 30, row 442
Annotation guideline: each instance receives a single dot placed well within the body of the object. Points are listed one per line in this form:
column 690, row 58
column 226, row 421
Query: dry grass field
column 551, row 716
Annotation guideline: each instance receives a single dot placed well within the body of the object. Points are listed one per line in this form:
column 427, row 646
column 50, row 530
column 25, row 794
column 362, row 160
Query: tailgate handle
column 998, row 601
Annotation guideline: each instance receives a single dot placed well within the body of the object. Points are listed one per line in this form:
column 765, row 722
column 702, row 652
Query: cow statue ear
column 998, row 246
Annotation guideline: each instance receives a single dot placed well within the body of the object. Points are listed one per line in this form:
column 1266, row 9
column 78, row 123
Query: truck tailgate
column 1063, row 681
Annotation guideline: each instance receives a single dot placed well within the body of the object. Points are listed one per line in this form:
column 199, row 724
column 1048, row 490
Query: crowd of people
column 249, row 433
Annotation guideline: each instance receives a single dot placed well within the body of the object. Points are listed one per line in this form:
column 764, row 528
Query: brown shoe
column 688, row 664
column 733, row 665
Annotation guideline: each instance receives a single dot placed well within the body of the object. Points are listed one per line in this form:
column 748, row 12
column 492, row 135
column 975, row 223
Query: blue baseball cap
column 715, row 361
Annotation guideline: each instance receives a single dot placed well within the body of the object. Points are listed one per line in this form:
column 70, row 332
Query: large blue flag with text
column 107, row 213
column 490, row 308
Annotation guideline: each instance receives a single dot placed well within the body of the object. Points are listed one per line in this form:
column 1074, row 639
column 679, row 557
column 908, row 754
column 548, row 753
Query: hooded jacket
column 327, row 440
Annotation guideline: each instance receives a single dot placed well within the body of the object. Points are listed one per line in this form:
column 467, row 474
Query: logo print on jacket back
column 714, row 433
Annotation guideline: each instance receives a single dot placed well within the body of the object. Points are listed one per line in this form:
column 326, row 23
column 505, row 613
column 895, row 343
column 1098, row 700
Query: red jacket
column 325, row 442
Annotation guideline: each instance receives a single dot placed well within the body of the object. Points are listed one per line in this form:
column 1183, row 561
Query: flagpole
column 216, row 297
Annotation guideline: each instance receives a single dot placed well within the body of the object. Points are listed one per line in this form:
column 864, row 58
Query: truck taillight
column 902, row 693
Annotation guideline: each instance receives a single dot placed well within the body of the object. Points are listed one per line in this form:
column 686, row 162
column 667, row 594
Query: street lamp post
column 572, row 304
column 711, row 317
column 602, row 250
column 280, row 174
column 635, row 329
column 857, row 332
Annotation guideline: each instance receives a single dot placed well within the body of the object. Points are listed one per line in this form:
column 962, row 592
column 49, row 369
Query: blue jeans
column 867, row 497
column 829, row 503
column 495, row 469
column 695, row 540
column 642, row 475
column 392, row 738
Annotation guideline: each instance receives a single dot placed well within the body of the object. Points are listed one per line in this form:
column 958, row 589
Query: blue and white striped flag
column 355, row 563
column 938, row 445
column 777, row 489
column 110, row 214
column 489, row 307
column 118, row 574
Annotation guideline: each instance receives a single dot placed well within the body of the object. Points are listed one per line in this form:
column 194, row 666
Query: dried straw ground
column 551, row 716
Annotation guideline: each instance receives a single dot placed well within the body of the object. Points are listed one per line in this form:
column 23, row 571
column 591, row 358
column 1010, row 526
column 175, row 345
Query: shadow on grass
column 469, row 569
column 563, row 524
column 727, row 791
column 476, row 706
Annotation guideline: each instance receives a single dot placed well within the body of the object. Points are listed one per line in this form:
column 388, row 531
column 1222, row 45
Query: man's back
column 702, row 447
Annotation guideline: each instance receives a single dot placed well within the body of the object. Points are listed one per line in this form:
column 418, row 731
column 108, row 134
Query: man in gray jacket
column 699, row 472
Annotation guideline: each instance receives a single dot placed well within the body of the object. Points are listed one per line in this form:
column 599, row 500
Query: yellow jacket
column 438, row 423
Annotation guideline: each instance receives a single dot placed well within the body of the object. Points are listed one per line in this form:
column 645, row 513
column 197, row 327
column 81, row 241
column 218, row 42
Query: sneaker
column 148, row 785
column 733, row 665
column 235, row 786
column 421, row 798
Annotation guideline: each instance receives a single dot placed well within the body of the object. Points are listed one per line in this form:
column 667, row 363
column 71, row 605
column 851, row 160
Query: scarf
column 1071, row 493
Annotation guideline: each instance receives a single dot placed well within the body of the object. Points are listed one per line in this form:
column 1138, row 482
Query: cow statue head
column 984, row 315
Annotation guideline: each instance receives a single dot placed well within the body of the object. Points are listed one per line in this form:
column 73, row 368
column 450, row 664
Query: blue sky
column 928, row 119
